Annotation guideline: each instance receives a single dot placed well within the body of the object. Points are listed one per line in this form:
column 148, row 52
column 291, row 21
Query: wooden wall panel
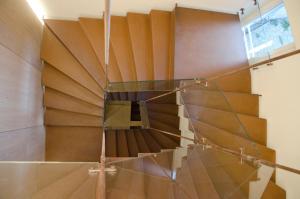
column 121, row 45
column 73, row 37
column 73, row 144
column 20, row 30
column 26, row 144
column 94, row 30
column 141, row 41
column 207, row 43
column 22, row 136
column 20, row 93
column 56, row 54
column 161, row 30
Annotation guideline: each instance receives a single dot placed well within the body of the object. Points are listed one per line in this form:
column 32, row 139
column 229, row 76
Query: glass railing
column 194, row 172
column 139, row 86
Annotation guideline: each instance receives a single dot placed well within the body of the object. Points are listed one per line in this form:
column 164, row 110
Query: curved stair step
column 165, row 127
column 122, row 144
column 142, row 145
column 56, row 54
column 204, row 185
column 169, row 99
column 54, row 117
column 184, row 179
column 111, row 143
column 132, row 143
column 87, row 190
column 171, row 109
column 237, row 82
column 94, row 31
column 243, row 103
column 54, row 79
column 57, row 100
column 160, row 22
column 73, row 37
column 151, row 142
column 121, row 45
column 233, row 142
column 73, row 144
column 140, row 37
column 243, row 125
column 171, row 120
column 163, row 140
column 65, row 186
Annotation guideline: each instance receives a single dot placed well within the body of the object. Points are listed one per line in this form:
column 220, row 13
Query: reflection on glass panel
column 268, row 33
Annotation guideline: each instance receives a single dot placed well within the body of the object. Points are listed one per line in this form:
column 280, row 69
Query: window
column 268, row 33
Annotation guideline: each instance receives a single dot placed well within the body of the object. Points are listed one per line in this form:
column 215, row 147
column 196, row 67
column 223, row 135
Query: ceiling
column 72, row 9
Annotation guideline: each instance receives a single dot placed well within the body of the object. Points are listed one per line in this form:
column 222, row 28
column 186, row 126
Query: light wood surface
column 250, row 127
column 57, row 100
column 203, row 49
column 56, row 54
column 160, row 22
column 21, row 31
column 56, row 80
column 72, row 36
column 27, row 144
column 94, row 31
column 21, row 110
column 73, row 144
column 141, row 41
column 228, row 140
column 229, row 101
column 54, row 117
column 122, row 48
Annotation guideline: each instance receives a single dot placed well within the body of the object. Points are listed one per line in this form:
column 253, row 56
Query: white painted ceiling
column 72, row 9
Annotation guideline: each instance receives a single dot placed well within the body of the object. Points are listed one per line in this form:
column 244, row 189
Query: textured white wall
column 280, row 105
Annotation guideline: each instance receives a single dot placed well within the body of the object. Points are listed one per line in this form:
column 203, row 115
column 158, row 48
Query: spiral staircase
column 147, row 161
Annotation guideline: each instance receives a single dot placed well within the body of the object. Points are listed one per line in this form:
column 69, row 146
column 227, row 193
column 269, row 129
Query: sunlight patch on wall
column 37, row 9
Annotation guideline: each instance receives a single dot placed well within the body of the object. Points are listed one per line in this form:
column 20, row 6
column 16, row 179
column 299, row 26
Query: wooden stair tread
column 73, row 37
column 140, row 37
column 56, row 54
column 184, row 178
column 231, row 141
column 160, row 31
column 142, row 145
column 54, row 117
column 243, row 125
column 73, row 144
column 151, row 142
column 122, row 144
column 110, row 143
column 57, row 100
column 202, row 182
column 171, row 109
column 121, row 45
column 229, row 101
column 165, row 127
column 163, row 140
column 171, row 120
column 54, row 79
column 94, row 31
column 132, row 143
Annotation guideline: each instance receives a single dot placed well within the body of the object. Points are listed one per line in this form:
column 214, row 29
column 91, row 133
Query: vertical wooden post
column 106, row 38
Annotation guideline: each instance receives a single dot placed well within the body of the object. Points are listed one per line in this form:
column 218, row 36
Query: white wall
column 280, row 105
column 293, row 9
